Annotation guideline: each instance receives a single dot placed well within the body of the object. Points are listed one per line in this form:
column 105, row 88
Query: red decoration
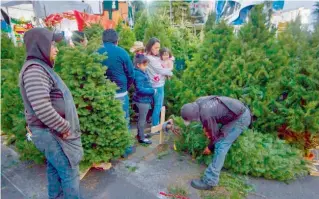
column 82, row 19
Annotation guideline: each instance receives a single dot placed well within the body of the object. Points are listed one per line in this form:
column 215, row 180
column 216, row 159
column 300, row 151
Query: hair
column 150, row 44
column 77, row 37
column 165, row 50
column 140, row 59
column 110, row 35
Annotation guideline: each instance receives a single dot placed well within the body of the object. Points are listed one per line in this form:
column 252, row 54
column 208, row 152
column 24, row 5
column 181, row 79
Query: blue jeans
column 126, row 108
column 232, row 131
column 158, row 103
column 62, row 179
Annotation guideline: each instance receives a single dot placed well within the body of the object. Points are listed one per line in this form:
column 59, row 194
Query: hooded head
column 40, row 44
column 190, row 112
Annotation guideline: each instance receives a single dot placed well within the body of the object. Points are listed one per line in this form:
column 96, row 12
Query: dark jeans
column 142, row 112
column 62, row 179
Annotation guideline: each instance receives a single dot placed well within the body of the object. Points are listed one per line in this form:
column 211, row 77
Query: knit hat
column 110, row 35
column 138, row 45
column 190, row 112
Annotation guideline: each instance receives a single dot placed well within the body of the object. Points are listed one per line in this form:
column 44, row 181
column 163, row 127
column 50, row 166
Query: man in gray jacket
column 51, row 114
column 223, row 120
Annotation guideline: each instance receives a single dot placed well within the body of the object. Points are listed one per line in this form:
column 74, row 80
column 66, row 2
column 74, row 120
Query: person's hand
column 207, row 151
column 65, row 135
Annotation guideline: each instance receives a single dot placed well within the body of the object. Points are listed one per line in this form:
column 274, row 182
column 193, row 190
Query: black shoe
column 147, row 135
column 199, row 184
column 145, row 141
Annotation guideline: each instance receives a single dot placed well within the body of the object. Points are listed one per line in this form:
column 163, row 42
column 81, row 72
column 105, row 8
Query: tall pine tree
column 105, row 134
column 253, row 60
column 298, row 108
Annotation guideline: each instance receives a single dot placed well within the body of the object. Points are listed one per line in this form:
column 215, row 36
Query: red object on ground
column 172, row 195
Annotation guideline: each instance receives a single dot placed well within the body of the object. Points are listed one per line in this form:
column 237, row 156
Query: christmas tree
column 105, row 134
column 253, row 60
column 297, row 108
column 158, row 26
column 196, row 80
column 141, row 24
column 12, row 113
column 126, row 38
column 206, row 61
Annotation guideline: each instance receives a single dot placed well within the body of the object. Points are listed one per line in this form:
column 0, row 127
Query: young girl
column 143, row 95
column 167, row 58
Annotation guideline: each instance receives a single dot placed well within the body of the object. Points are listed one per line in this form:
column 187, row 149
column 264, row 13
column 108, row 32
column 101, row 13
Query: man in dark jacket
column 51, row 114
column 223, row 120
column 120, row 69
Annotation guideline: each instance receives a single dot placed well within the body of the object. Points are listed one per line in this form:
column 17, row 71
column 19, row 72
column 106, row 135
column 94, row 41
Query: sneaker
column 145, row 141
column 146, row 135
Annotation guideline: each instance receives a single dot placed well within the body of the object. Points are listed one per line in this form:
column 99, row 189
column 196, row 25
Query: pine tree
column 158, row 26
column 105, row 134
column 210, row 22
column 298, row 88
column 253, row 60
column 126, row 38
column 196, row 80
column 94, row 31
column 141, row 24
column 206, row 61
column 12, row 112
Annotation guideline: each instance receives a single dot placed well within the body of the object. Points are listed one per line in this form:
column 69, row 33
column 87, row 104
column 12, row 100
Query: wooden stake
column 159, row 127
column 162, row 122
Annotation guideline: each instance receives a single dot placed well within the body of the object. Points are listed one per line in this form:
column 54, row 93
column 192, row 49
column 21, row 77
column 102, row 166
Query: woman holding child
column 157, row 74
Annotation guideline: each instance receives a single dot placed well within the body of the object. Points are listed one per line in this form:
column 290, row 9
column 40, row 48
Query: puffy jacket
column 143, row 88
column 120, row 69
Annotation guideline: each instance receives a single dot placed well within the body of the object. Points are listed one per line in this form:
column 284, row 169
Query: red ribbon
column 172, row 195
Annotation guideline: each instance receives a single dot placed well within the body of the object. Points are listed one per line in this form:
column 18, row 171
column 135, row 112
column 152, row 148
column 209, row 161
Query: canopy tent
column 43, row 9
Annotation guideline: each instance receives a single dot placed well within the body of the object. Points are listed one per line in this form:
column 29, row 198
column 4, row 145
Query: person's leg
column 54, row 182
column 60, row 174
column 42, row 139
column 70, row 179
column 142, row 109
column 126, row 108
column 232, row 131
column 158, row 103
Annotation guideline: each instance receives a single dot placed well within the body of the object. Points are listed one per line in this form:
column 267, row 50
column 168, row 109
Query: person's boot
column 199, row 184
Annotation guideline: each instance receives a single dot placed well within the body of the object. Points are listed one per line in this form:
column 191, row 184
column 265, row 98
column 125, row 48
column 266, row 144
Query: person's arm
column 157, row 67
column 210, row 126
column 128, row 69
column 170, row 65
column 140, row 90
column 37, row 84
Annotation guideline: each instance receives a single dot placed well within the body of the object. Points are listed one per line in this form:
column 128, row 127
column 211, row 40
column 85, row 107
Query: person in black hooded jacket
column 223, row 120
